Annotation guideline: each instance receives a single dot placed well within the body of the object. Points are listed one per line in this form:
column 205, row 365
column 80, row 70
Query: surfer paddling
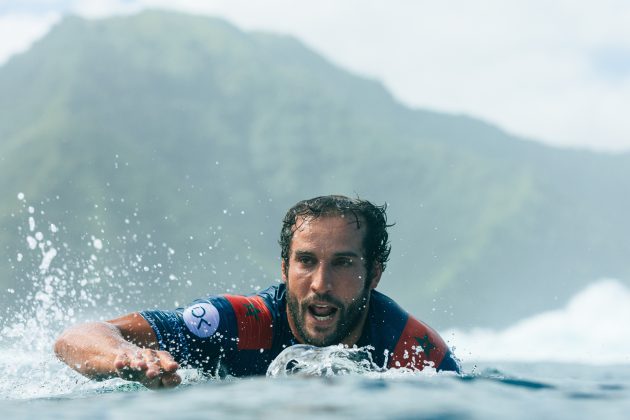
column 334, row 251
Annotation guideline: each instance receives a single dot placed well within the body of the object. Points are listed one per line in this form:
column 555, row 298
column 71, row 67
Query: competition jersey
column 241, row 335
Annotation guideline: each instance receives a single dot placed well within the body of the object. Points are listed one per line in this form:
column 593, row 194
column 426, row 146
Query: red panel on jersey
column 254, row 322
column 417, row 347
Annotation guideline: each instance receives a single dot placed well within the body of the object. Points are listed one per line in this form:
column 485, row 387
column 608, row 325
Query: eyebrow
column 347, row 254
column 352, row 254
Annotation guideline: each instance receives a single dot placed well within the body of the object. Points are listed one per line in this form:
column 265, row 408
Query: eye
column 305, row 259
column 344, row 262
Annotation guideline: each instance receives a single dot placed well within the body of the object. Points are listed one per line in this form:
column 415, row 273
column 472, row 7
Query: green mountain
column 165, row 149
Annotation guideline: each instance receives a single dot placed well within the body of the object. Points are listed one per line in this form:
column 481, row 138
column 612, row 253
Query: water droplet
column 32, row 243
column 47, row 259
column 97, row 243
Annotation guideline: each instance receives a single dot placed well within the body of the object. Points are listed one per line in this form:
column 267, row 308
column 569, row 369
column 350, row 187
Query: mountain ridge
column 194, row 125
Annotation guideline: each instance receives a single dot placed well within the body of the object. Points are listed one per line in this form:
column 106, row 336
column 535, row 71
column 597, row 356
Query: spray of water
column 59, row 286
column 302, row 360
column 305, row 360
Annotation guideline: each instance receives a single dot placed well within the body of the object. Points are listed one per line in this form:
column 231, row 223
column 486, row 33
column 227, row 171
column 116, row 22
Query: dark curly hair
column 375, row 243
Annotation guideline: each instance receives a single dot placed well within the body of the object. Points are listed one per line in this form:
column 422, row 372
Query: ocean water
column 488, row 390
column 572, row 362
column 506, row 374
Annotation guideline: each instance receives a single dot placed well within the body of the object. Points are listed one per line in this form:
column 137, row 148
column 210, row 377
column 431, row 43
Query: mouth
column 322, row 312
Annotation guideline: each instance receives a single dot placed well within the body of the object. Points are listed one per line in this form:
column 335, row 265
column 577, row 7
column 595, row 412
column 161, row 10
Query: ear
column 377, row 271
column 283, row 270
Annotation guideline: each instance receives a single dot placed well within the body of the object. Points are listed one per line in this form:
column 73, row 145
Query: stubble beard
column 349, row 316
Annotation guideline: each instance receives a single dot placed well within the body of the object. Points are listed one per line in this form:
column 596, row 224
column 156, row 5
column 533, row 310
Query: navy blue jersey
column 241, row 335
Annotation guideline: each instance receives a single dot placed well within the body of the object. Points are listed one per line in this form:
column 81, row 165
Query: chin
column 322, row 339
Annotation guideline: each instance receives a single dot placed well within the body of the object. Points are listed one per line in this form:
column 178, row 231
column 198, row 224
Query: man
column 334, row 250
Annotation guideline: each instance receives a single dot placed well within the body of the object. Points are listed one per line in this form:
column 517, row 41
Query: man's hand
column 125, row 347
column 152, row 368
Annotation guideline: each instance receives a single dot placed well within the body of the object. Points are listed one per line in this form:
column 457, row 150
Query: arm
column 125, row 347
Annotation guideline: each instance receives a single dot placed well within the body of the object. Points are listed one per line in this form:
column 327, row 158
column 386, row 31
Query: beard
column 348, row 318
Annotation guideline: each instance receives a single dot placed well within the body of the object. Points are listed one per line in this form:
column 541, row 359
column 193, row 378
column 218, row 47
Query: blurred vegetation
column 180, row 141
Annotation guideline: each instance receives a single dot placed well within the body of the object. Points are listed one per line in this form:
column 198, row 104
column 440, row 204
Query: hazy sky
column 557, row 71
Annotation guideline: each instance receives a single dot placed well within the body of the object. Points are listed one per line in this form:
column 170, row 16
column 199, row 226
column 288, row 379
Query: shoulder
column 254, row 317
column 417, row 345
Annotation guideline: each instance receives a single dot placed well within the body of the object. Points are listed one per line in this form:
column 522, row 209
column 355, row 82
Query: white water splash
column 59, row 287
column 305, row 360
column 47, row 258
column 302, row 360
column 593, row 328
column 27, row 375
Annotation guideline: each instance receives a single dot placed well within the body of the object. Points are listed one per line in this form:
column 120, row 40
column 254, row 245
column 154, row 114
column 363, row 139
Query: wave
column 593, row 328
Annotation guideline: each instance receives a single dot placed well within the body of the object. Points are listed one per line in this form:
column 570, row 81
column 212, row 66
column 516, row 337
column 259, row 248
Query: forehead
column 338, row 232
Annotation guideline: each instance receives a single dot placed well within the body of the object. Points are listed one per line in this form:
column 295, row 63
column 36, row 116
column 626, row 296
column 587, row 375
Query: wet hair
column 375, row 242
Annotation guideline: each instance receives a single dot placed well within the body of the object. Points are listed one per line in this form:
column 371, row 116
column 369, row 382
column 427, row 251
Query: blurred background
column 149, row 150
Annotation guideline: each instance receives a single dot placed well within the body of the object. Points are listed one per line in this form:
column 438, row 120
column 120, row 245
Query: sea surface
column 484, row 391
column 541, row 368
column 571, row 362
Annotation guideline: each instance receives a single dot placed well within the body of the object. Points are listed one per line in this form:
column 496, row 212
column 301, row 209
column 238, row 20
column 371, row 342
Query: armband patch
column 202, row 319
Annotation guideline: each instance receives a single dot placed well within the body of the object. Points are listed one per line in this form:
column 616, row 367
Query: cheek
column 353, row 285
column 297, row 279
column 359, row 276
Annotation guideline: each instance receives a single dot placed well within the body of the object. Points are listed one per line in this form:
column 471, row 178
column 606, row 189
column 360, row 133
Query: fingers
column 158, row 362
column 121, row 361
column 167, row 362
column 152, row 368
column 125, row 364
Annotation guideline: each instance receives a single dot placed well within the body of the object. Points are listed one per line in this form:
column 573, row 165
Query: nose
column 321, row 280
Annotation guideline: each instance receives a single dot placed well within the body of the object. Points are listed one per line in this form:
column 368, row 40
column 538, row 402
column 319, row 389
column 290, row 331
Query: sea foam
column 593, row 328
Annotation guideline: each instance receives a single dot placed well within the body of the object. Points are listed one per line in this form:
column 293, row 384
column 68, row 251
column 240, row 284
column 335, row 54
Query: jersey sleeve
column 420, row 346
column 198, row 335
column 217, row 332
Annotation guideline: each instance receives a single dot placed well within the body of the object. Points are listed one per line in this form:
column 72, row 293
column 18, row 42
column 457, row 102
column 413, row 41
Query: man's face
column 327, row 289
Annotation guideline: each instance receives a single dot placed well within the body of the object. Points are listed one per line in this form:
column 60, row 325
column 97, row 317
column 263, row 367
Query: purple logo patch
column 202, row 319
